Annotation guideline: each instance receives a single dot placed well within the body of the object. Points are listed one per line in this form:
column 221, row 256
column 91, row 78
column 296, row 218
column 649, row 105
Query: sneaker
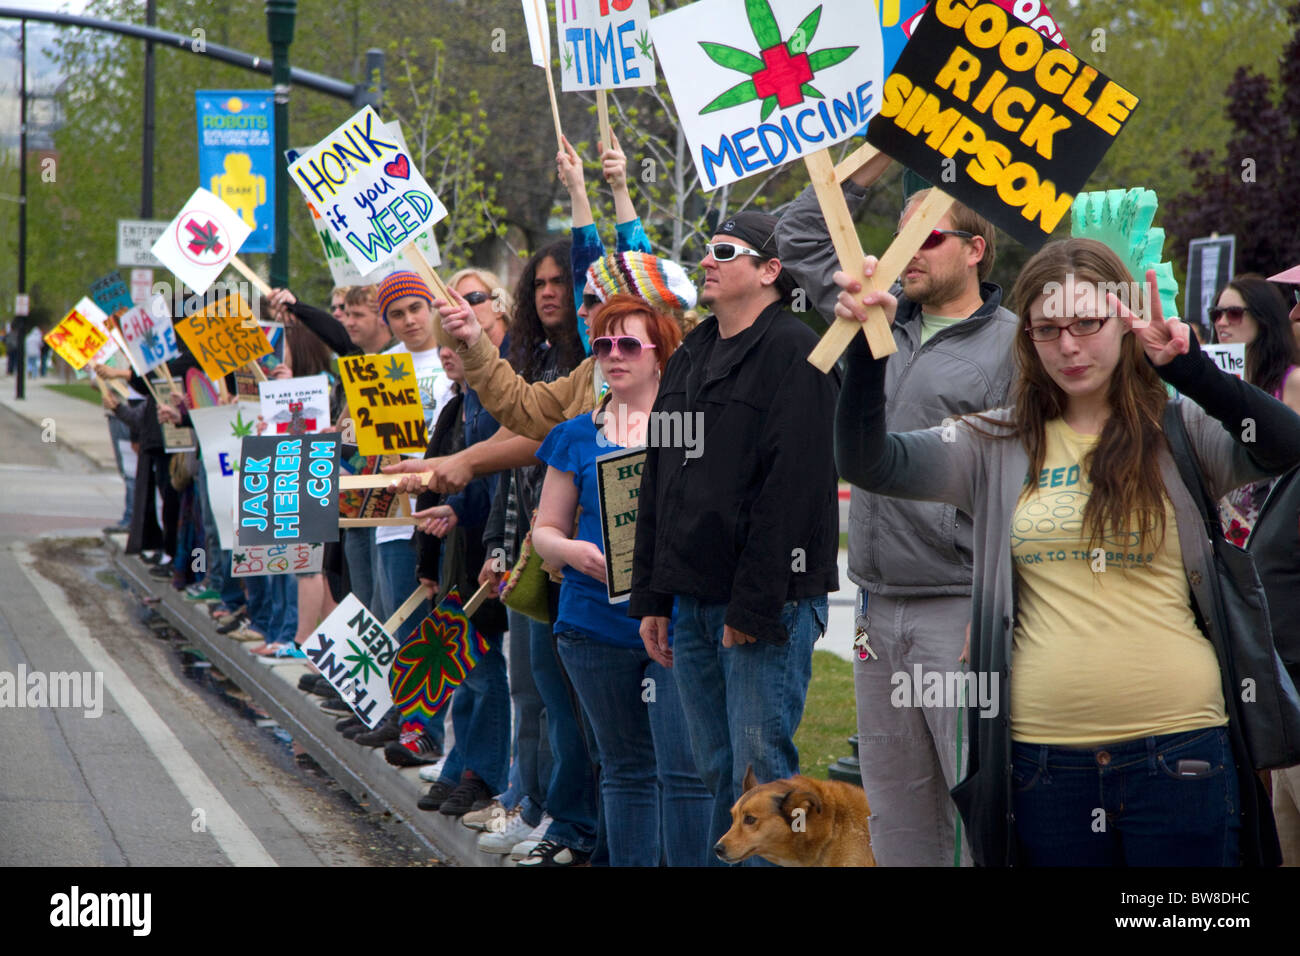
column 307, row 681
column 432, row 772
column 248, row 635
column 221, row 614
column 471, row 794
column 482, row 819
column 348, row 723
column 335, row 705
column 426, row 751
column 162, row 570
column 538, row 834
column 384, row 732
column 358, row 728
column 548, row 853
column 504, row 833
column 233, row 623
column 436, row 795
column 201, row 592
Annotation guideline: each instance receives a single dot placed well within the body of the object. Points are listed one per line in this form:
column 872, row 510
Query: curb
column 273, row 685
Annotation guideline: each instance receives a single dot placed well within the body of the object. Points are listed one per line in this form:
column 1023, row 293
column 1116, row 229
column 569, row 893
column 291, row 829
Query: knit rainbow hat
column 399, row 284
column 661, row 282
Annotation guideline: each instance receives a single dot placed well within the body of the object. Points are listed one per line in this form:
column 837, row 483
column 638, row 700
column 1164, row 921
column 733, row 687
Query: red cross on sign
column 782, row 76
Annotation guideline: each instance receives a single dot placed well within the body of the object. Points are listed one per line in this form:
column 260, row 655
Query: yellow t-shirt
column 1101, row 656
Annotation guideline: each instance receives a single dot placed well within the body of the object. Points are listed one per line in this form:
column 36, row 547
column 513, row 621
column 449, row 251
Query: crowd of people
column 993, row 457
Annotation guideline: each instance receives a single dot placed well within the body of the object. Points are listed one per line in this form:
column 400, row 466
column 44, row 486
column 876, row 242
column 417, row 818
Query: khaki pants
column 1286, row 813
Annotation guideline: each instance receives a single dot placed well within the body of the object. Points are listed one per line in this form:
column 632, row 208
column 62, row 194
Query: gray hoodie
column 899, row 547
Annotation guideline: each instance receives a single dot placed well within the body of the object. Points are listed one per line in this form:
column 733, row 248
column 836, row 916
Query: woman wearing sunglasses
column 1114, row 737
column 1252, row 311
column 492, row 303
column 630, row 701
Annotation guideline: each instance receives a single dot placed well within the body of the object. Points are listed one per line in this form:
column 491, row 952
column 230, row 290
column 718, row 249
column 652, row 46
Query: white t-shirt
column 435, row 391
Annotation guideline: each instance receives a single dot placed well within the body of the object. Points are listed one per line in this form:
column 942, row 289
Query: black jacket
column 752, row 518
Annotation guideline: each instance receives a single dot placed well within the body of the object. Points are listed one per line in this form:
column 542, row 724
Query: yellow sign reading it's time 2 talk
column 384, row 400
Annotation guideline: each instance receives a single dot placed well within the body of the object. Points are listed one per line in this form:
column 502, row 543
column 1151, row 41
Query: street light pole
column 20, row 380
column 146, row 150
column 280, row 16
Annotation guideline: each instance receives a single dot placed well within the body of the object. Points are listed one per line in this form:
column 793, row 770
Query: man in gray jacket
column 912, row 560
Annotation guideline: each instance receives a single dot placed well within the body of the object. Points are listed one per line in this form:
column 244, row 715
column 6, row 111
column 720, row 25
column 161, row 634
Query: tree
column 1249, row 190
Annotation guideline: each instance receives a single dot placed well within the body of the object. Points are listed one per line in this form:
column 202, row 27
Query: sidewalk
column 78, row 425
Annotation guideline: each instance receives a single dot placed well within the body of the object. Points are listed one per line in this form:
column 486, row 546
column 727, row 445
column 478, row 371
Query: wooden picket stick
column 406, row 610
column 378, row 522
column 251, row 276
column 420, row 265
column 926, row 217
column 602, row 116
column 543, row 21
column 354, row 482
column 851, row 163
column 476, row 601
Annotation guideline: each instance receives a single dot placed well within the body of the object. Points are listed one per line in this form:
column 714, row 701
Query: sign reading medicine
column 604, row 44
column 237, row 157
column 756, row 87
column 367, row 188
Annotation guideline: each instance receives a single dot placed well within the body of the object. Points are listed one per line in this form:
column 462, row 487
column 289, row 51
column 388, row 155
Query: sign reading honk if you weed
column 365, row 185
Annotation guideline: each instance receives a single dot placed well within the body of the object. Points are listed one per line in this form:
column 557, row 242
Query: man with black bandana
column 744, row 537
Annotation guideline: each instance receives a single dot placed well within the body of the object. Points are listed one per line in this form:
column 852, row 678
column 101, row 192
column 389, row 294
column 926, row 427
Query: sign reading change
column 367, row 188
column 998, row 116
column 755, row 88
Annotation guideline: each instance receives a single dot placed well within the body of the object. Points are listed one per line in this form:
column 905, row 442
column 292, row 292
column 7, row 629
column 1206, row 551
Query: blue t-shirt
column 584, row 601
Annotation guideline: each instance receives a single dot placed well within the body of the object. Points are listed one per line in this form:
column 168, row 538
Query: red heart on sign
column 398, row 167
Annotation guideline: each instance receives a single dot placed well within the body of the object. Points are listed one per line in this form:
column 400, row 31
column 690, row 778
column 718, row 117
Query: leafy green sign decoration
column 780, row 75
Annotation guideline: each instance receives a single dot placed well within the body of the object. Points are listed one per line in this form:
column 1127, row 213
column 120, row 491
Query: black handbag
column 1270, row 706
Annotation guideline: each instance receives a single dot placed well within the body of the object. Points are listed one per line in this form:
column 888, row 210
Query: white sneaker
column 432, row 772
column 483, row 819
column 536, row 836
column 504, row 833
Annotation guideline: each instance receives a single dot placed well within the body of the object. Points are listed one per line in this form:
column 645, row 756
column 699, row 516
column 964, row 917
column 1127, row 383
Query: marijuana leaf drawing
column 395, row 371
column 240, row 428
column 364, row 661
column 568, row 60
column 780, row 75
column 643, row 44
column 206, row 238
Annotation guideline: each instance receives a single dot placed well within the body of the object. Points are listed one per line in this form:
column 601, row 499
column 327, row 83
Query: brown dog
column 799, row 821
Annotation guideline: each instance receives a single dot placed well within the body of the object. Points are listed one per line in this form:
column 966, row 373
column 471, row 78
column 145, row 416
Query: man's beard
column 932, row 290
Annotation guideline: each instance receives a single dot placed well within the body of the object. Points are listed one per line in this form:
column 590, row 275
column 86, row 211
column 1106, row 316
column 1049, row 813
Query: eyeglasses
column 340, row 307
column 937, row 236
column 629, row 346
column 590, row 300
column 726, row 251
column 1233, row 313
column 476, row 298
column 1078, row 329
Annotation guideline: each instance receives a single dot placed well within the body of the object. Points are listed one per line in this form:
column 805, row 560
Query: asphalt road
column 151, row 770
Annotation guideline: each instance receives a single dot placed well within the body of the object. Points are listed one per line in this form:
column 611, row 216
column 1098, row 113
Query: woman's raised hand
column 1162, row 339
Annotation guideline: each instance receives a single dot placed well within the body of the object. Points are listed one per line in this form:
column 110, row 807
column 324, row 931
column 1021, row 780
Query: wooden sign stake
column 354, row 482
column 476, row 601
column 406, row 610
column 378, row 522
column 602, row 116
column 251, row 276
column 420, row 265
column 544, row 23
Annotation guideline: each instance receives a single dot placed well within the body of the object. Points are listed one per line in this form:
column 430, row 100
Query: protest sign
column 201, row 241
column 223, row 336
column 175, row 438
column 618, row 475
column 1230, row 357
column 1121, row 218
column 367, row 187
column 141, row 286
column 435, row 660
column 384, row 400
column 304, row 557
column 1032, row 12
column 110, row 293
column 986, row 108
column 102, row 321
column 221, row 430
column 288, row 489
column 809, row 77
column 1210, row 264
column 604, row 45
column 148, row 334
column 237, row 157
column 199, row 390
column 538, row 25
column 76, row 339
column 355, row 653
column 295, row 406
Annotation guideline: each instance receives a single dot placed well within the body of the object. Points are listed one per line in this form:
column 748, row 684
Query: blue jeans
column 273, row 606
column 655, row 805
column 532, row 754
column 1128, row 804
column 394, row 579
column 118, row 432
column 359, row 551
column 480, row 719
column 742, row 704
column 571, row 791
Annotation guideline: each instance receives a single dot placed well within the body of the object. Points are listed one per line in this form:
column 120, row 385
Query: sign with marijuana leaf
column 223, row 336
column 435, row 660
column 355, row 653
column 604, row 44
column 201, row 241
column 220, row 429
column 148, row 334
column 758, row 84
column 384, row 399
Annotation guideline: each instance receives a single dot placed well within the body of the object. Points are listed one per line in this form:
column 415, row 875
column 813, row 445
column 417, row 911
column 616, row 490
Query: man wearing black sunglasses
column 742, row 533
column 912, row 560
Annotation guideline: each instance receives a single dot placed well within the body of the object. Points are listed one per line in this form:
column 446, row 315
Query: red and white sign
column 200, row 242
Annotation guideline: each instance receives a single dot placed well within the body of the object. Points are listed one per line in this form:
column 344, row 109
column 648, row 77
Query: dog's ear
column 750, row 781
column 804, row 800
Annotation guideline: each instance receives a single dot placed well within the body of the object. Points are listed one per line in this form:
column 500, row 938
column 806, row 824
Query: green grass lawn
column 829, row 717
column 81, row 390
